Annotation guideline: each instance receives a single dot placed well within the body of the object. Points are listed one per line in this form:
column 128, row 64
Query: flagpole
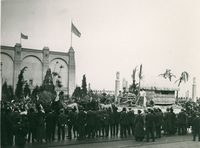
column 71, row 31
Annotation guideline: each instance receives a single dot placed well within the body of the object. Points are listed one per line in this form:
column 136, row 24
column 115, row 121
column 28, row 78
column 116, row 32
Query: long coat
column 196, row 124
column 116, row 117
column 32, row 119
column 159, row 119
column 167, row 121
column 173, row 122
column 90, row 118
column 150, row 120
column 81, row 118
column 70, row 118
column 124, row 120
column 40, row 134
column 139, row 126
column 182, row 118
column 106, row 118
column 50, row 120
column 131, row 116
column 19, row 134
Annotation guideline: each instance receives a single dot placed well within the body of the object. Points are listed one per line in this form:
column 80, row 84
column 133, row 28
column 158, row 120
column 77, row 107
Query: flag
column 75, row 30
column 24, row 36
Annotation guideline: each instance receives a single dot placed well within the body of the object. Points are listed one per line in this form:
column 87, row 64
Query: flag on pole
column 24, row 36
column 75, row 30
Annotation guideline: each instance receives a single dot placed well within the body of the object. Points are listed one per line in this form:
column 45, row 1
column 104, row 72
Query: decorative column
column 71, row 71
column 117, row 85
column 194, row 90
column 17, row 64
column 45, row 64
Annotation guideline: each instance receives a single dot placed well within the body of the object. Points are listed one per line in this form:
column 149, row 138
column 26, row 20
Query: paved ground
column 117, row 142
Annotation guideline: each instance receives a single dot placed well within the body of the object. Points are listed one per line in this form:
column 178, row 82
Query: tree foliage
column 77, row 92
column 183, row 78
column 7, row 92
column 84, row 86
column 134, row 86
column 20, row 83
column 48, row 81
column 27, row 90
column 167, row 75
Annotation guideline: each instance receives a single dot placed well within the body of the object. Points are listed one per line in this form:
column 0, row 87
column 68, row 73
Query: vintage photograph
column 100, row 73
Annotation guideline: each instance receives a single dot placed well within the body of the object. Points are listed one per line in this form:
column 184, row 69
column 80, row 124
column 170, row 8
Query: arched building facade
column 13, row 59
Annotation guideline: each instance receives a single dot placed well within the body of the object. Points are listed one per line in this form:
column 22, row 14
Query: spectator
column 139, row 127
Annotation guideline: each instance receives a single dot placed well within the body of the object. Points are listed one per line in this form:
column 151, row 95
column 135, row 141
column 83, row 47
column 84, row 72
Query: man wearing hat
column 70, row 119
column 124, row 121
column 62, row 120
column 150, row 124
column 181, row 122
column 81, row 123
column 196, row 126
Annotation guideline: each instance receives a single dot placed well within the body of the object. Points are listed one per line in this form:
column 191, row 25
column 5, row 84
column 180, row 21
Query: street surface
column 117, row 142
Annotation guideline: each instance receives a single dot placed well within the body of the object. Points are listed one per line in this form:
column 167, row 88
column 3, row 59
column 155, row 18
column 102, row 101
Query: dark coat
column 131, row 116
column 81, row 118
column 50, row 120
column 111, row 115
column 70, row 118
column 99, row 119
column 90, row 118
column 106, row 118
column 159, row 119
column 196, row 124
column 116, row 117
column 4, row 122
column 62, row 119
column 139, row 126
column 150, row 120
column 19, row 134
column 40, row 125
column 124, row 119
column 75, row 118
column 32, row 119
column 167, row 121
column 182, row 118
column 14, row 116
column 173, row 122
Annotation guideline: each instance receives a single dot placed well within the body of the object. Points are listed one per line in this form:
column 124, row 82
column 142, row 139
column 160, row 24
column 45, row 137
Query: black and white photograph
column 100, row 73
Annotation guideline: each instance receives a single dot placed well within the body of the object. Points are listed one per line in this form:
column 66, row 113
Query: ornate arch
column 32, row 56
column 7, row 55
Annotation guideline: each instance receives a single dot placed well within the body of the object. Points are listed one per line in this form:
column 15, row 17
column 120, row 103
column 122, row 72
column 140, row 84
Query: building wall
column 15, row 58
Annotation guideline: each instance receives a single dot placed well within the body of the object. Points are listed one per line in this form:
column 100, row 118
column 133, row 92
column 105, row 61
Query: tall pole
column 71, row 31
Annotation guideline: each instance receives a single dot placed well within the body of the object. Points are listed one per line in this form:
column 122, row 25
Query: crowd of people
column 38, row 126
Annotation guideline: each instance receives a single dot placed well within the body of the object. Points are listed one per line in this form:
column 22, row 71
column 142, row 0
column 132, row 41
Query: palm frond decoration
column 184, row 77
column 140, row 73
column 167, row 74
column 134, row 72
column 61, row 67
column 54, row 74
column 55, row 66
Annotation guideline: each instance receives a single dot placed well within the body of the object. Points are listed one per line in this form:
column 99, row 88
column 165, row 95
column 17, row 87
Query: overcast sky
column 116, row 35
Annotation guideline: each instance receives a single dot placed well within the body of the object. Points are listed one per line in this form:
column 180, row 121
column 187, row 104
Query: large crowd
column 39, row 126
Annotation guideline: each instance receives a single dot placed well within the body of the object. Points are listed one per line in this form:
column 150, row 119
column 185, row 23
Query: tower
column 194, row 90
column 117, row 86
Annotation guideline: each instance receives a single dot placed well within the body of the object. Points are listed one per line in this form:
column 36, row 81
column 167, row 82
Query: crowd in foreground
column 38, row 126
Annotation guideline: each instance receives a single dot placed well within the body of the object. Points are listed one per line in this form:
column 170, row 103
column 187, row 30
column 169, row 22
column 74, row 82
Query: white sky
column 116, row 35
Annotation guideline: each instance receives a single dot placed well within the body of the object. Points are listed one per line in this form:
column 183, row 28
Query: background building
column 13, row 59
